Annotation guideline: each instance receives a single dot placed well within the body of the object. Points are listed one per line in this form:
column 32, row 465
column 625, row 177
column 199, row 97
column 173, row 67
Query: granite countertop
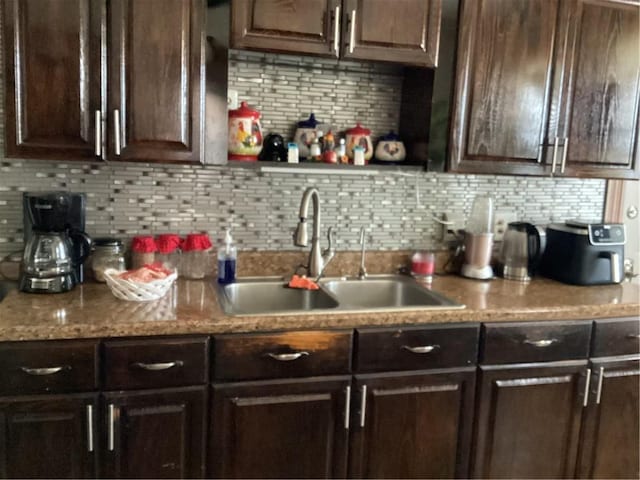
column 90, row 310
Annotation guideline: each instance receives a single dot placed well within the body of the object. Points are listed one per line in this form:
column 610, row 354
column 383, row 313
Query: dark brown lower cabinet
column 154, row 433
column 528, row 420
column 610, row 443
column 292, row 428
column 48, row 436
column 412, row 424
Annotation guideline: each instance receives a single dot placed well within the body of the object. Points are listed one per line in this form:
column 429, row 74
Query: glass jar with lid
column 169, row 250
column 195, row 256
column 107, row 253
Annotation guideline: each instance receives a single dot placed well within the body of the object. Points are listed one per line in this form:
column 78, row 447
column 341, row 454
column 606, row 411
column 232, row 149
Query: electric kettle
column 522, row 250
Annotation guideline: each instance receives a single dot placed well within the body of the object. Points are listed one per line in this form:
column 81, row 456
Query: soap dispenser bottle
column 227, row 260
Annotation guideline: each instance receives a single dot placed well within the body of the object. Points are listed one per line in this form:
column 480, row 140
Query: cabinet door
column 529, row 420
column 52, row 77
column 602, row 90
column 404, row 31
column 609, row 444
column 280, row 429
column 155, row 434
column 297, row 26
column 156, row 91
column 414, row 425
column 501, row 107
column 48, row 436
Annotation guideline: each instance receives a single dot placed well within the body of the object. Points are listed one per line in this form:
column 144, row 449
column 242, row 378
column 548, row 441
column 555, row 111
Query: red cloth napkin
column 196, row 241
column 168, row 243
column 144, row 244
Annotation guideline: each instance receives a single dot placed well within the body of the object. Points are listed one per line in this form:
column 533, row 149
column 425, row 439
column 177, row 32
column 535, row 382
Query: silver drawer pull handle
column 90, row 428
column 363, row 405
column 633, row 337
column 541, row 343
column 420, row 350
column 98, row 135
column 157, row 366
column 111, row 434
column 116, row 132
column 352, row 31
column 599, row 391
column 44, row 371
column 336, row 32
column 287, row 357
column 347, row 407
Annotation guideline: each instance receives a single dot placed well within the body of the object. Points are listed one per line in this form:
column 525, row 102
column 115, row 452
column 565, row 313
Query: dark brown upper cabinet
column 301, row 26
column 545, row 87
column 402, row 31
column 602, row 90
column 53, row 85
column 156, row 92
column 118, row 80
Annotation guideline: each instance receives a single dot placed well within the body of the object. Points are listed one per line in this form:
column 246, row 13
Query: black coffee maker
column 55, row 243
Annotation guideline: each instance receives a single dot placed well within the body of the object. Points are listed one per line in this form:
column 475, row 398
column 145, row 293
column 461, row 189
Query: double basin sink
column 376, row 293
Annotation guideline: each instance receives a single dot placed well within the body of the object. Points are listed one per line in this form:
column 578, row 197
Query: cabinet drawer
column 416, row 348
column 48, row 366
column 282, row 355
column 155, row 363
column 534, row 342
column 616, row 336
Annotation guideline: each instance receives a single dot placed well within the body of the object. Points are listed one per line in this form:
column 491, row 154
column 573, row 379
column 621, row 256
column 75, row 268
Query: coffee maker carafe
column 522, row 250
column 55, row 243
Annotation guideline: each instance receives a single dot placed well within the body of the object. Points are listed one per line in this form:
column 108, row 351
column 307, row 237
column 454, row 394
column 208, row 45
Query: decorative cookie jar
column 390, row 148
column 359, row 136
column 245, row 134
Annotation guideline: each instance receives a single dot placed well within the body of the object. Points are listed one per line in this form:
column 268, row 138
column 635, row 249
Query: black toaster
column 583, row 253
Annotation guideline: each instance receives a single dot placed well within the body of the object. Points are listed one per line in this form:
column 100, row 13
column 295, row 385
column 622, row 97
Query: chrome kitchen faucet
column 317, row 261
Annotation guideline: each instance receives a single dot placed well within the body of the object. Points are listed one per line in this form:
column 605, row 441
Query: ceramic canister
column 245, row 134
column 359, row 136
column 390, row 148
column 305, row 134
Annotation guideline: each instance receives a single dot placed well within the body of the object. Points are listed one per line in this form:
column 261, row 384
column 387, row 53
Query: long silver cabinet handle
column 363, row 405
column 336, row 32
column 564, row 155
column 347, row 407
column 116, row 131
column 541, row 343
column 421, row 349
column 98, row 143
column 90, row 428
column 587, row 382
column 44, row 371
column 633, row 336
column 599, row 392
column 352, row 31
column 111, row 434
column 554, row 161
column 158, row 366
column 287, row 357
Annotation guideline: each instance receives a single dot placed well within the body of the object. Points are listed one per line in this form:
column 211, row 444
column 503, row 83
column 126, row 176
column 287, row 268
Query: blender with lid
column 478, row 240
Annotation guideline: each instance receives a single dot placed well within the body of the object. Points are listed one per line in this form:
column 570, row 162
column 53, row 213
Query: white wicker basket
column 138, row 291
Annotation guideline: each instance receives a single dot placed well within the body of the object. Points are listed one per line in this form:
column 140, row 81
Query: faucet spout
column 317, row 259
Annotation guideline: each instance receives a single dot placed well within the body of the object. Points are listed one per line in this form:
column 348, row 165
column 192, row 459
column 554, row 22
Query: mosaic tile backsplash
column 262, row 208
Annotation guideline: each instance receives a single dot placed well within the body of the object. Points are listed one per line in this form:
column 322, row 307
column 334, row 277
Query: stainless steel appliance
column 584, row 253
column 55, row 247
column 522, row 250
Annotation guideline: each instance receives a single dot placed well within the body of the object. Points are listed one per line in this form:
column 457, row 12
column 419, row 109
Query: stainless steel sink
column 5, row 287
column 247, row 297
column 389, row 293
column 375, row 293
